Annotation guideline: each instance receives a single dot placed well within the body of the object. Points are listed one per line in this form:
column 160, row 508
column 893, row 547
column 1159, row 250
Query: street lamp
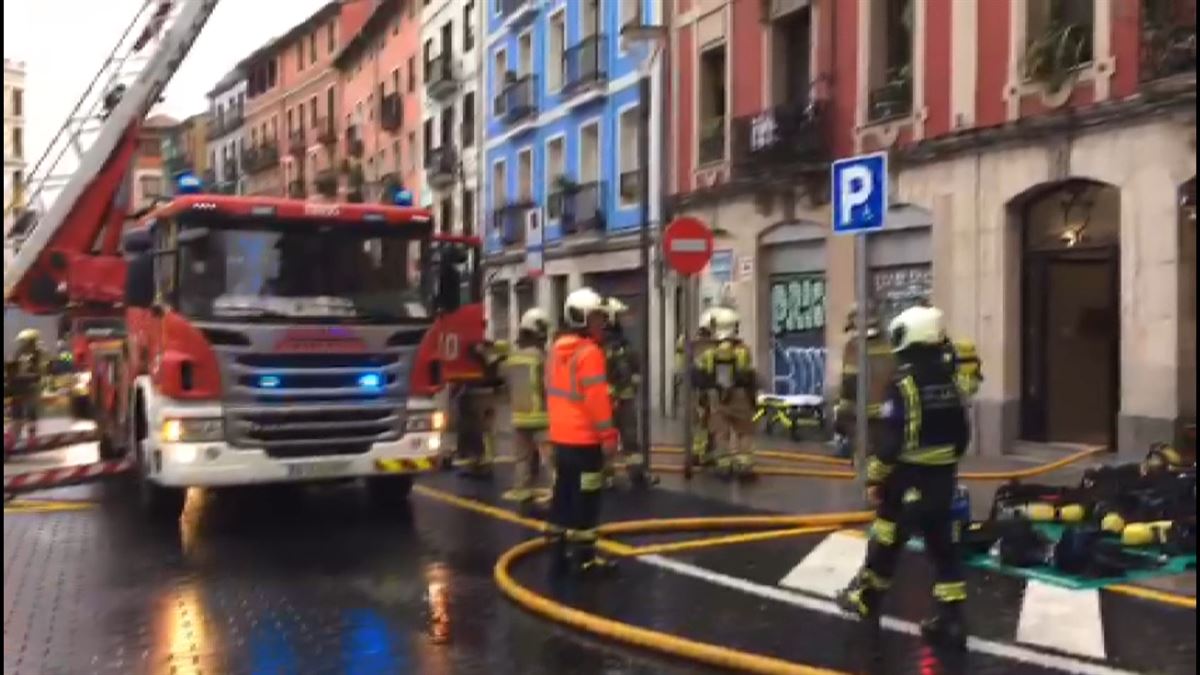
column 653, row 38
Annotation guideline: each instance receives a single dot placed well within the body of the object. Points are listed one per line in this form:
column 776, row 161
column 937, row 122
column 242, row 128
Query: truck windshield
column 302, row 271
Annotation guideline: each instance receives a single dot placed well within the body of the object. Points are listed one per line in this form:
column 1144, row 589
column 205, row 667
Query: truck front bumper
column 219, row 464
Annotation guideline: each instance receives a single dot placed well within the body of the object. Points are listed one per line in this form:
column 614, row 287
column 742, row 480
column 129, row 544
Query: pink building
column 381, row 102
column 292, row 104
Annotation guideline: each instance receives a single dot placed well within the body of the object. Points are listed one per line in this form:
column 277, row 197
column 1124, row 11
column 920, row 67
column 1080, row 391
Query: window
column 396, row 156
column 18, row 102
column 631, row 12
column 412, row 74
column 469, row 26
column 447, row 216
column 18, row 142
column 712, row 104
column 556, row 173
column 272, row 73
column 427, row 136
column 500, row 69
column 331, row 38
column 147, row 147
column 630, row 156
column 330, row 104
column 589, row 152
column 151, row 187
column 1066, row 25
column 525, row 175
column 468, row 123
column 300, row 55
column 499, row 185
column 557, row 47
column 413, row 151
column 427, row 52
column 312, row 111
column 291, row 124
column 396, row 80
column 591, row 18
column 312, row 48
column 791, row 43
column 889, row 68
column 525, row 52
column 468, row 212
column 447, row 46
column 447, row 131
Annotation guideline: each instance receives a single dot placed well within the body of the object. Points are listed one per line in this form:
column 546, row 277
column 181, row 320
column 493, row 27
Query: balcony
column 712, row 140
column 520, row 12
column 218, row 127
column 296, row 189
column 441, row 166
column 518, row 98
column 440, row 80
column 509, row 221
column 584, row 64
column 326, row 183
column 297, row 143
column 630, row 189
column 391, row 112
column 1168, row 45
column 261, row 158
column 230, row 174
column 354, row 143
column 326, row 132
column 792, row 133
column 581, row 207
column 893, row 98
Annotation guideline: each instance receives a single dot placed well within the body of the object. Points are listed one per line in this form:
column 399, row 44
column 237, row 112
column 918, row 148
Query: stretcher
column 792, row 413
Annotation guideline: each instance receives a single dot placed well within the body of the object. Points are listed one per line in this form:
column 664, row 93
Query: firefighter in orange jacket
column 581, row 429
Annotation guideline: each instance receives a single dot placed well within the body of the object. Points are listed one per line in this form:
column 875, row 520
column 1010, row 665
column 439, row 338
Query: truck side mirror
column 139, row 281
column 135, row 242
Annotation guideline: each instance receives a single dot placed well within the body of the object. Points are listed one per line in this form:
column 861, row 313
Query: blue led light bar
column 268, row 381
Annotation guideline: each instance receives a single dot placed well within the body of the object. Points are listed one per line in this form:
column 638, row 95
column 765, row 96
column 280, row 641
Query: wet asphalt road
column 289, row 580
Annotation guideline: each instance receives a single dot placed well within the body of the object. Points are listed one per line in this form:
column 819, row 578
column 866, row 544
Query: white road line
column 1062, row 618
column 1001, row 650
column 829, row 567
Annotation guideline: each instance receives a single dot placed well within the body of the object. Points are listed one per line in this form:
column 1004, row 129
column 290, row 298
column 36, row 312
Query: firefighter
column 581, row 430
column 731, row 387
column 477, row 412
column 701, row 442
column 912, row 477
column 525, row 378
column 624, row 380
column 882, row 366
column 26, row 374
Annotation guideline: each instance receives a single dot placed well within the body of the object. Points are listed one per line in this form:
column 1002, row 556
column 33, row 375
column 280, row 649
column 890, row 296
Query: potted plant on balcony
column 1168, row 47
column 894, row 97
column 1053, row 58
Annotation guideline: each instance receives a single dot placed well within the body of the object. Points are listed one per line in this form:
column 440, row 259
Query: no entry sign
column 687, row 245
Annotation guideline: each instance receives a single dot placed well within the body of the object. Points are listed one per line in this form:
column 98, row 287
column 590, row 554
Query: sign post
column 860, row 202
column 687, row 247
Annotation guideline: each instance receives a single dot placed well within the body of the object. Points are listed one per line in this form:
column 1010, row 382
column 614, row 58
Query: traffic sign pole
column 864, row 363
column 689, row 403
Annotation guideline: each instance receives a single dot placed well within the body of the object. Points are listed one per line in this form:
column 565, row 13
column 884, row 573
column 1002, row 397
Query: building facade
column 14, row 144
column 562, row 164
column 151, row 180
column 226, row 138
column 451, row 122
column 292, row 103
column 381, row 104
column 185, row 149
column 1043, row 159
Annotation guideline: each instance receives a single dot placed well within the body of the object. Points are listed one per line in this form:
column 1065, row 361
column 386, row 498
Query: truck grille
column 297, row 405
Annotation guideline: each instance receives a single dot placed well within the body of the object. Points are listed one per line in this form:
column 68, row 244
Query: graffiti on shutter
column 798, row 334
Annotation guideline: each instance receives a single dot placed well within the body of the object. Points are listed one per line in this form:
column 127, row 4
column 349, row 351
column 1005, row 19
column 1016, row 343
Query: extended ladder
column 129, row 83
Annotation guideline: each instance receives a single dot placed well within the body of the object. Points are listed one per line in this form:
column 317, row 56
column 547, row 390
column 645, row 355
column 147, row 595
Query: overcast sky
column 64, row 42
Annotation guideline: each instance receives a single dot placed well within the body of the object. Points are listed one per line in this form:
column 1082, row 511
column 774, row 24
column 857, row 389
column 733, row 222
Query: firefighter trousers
column 625, row 416
column 476, row 426
column 916, row 500
column 527, row 458
column 731, row 424
column 575, row 502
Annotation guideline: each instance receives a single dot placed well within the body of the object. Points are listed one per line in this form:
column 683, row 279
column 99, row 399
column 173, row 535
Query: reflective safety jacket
column 680, row 353
column 25, row 372
column 577, row 397
column 925, row 416
column 524, row 373
column 621, row 364
column 882, row 368
column 490, row 356
column 700, row 347
column 727, row 366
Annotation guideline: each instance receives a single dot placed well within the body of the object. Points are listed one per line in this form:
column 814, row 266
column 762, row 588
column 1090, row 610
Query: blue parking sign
column 860, row 193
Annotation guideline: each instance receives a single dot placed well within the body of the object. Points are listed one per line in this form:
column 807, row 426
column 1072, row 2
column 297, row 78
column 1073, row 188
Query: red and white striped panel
column 65, row 476
column 47, row 442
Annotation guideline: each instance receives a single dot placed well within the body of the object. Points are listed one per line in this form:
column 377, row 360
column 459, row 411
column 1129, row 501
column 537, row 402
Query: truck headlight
column 422, row 422
column 192, row 430
column 83, row 381
column 438, row 421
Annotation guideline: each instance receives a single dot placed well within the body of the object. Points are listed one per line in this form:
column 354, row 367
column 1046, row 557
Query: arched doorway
column 1071, row 324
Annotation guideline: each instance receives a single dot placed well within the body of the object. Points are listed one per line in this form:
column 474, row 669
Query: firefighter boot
column 743, row 466
column 862, row 599
column 947, row 628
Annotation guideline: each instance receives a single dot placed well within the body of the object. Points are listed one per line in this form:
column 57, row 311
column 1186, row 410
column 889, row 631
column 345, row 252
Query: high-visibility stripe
column 912, row 414
column 875, row 581
column 591, row 481
column 592, row 381
column 404, row 465
column 939, row 455
column 603, row 425
column 877, row 470
column 883, row 531
column 950, row 591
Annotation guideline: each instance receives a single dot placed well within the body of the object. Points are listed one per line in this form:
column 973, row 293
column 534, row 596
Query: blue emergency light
column 402, row 197
column 268, row 381
column 186, row 183
column 370, row 381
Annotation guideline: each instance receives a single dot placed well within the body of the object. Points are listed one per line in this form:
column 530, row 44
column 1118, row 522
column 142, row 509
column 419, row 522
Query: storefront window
column 798, row 334
column 895, row 289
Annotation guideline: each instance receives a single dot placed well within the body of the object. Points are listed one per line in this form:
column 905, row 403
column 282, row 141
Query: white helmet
column 535, row 321
column 580, row 304
column 725, row 323
column 706, row 318
column 916, row 326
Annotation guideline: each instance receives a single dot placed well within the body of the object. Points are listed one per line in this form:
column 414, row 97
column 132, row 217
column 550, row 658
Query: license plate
column 316, row 469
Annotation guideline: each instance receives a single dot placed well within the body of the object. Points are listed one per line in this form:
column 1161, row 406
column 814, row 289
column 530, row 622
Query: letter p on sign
column 860, row 190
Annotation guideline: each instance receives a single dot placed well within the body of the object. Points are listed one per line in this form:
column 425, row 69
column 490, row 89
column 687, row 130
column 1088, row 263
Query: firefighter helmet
column 580, row 305
column 29, row 337
column 916, row 326
column 535, row 321
column 725, row 323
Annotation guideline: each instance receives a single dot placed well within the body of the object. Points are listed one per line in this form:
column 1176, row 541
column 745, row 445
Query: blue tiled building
column 561, row 158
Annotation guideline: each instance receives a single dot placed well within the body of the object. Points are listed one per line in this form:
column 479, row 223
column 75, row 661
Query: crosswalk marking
column 829, row 567
column 1064, row 619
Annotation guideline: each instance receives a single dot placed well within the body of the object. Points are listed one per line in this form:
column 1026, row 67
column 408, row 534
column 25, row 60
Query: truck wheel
column 389, row 491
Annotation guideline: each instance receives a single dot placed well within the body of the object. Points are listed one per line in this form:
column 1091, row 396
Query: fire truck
column 259, row 340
